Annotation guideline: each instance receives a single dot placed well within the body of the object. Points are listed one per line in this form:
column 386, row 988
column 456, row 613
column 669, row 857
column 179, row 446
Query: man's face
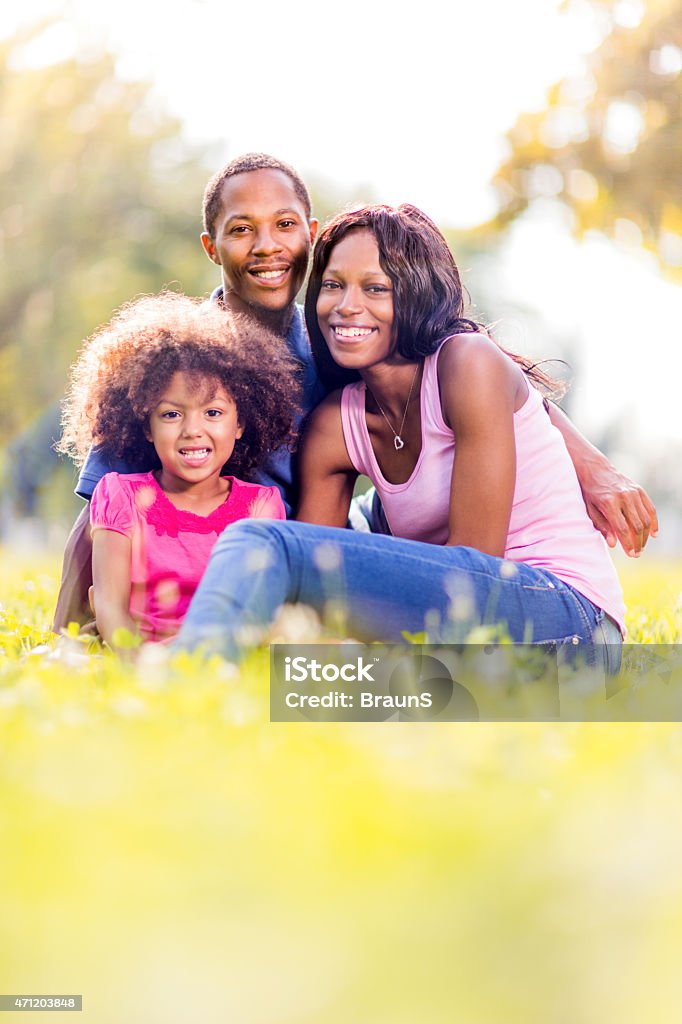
column 262, row 241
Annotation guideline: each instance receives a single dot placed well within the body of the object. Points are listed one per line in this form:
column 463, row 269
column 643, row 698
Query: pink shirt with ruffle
column 170, row 546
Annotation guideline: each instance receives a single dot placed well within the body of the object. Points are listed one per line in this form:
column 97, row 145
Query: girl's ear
column 239, row 431
column 147, row 432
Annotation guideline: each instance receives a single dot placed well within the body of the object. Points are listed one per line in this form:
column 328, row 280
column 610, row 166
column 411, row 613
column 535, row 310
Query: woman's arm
column 111, row 554
column 619, row 509
column 479, row 392
column 327, row 474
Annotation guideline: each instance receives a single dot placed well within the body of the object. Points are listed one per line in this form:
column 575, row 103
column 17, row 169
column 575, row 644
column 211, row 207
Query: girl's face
column 355, row 304
column 193, row 429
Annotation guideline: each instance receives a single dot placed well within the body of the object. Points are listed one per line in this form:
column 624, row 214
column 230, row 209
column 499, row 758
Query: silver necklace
column 398, row 442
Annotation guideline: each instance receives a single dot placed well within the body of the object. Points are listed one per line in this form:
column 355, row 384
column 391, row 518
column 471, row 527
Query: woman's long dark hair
column 428, row 296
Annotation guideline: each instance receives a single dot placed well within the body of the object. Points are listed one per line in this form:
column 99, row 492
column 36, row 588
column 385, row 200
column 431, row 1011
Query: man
column 259, row 229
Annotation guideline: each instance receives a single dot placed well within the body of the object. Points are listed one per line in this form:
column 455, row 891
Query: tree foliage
column 609, row 141
column 100, row 201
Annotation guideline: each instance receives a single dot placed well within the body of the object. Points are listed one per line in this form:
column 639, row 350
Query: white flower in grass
column 39, row 650
column 227, row 671
column 295, row 624
column 249, row 636
column 462, row 608
column 152, row 666
column 70, row 653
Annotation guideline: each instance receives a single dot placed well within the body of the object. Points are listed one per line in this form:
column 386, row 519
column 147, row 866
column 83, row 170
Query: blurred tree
column 609, row 141
column 100, row 200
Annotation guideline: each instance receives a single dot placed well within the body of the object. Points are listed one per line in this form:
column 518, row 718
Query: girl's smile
column 193, row 428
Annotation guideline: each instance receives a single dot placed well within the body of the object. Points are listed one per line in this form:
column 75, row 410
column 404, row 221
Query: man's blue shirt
column 278, row 469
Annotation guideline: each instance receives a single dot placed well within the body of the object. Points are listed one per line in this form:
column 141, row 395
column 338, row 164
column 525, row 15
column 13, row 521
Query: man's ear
column 314, row 225
column 209, row 247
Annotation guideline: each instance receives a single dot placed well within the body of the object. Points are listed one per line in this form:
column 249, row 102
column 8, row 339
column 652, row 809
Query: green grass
column 174, row 856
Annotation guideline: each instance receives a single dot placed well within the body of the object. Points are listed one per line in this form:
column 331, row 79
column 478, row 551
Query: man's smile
column 270, row 275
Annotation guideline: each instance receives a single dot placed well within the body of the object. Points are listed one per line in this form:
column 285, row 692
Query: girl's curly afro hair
column 123, row 369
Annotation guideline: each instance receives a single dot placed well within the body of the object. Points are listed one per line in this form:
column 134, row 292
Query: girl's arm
column 111, row 555
column 327, row 474
column 479, row 392
column 619, row 509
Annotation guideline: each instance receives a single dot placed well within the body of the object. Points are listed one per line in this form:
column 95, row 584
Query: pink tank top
column 549, row 526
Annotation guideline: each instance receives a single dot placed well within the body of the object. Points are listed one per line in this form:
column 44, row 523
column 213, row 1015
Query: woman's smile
column 348, row 333
column 355, row 303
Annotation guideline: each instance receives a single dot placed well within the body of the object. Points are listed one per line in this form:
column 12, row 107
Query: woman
column 478, row 488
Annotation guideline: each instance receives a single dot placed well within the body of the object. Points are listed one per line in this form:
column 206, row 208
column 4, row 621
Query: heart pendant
column 398, row 442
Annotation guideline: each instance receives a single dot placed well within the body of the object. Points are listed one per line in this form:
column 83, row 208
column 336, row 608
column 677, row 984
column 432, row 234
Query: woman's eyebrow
column 365, row 274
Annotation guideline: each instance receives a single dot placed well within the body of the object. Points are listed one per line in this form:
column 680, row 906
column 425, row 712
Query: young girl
column 192, row 394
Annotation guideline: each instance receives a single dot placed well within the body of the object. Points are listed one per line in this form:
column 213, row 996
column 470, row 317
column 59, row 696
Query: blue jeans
column 376, row 587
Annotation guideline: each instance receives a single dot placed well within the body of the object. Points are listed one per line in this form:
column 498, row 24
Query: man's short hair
column 241, row 165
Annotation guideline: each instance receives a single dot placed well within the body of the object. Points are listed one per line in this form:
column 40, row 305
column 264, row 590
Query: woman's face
column 355, row 304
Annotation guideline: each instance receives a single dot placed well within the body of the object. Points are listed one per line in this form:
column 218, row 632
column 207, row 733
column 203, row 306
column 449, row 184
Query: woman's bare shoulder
column 473, row 371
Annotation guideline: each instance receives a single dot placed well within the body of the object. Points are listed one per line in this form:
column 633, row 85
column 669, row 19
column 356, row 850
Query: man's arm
column 619, row 509
column 72, row 603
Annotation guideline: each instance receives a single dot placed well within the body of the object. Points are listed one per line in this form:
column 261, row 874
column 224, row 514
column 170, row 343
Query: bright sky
column 413, row 100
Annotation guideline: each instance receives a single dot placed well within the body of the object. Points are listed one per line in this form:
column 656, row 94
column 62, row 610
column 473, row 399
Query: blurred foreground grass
column 174, row 856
